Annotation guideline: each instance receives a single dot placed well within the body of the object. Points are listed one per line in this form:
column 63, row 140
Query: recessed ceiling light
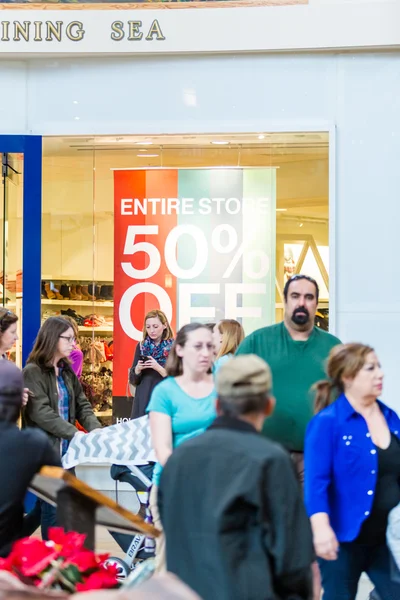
column 142, row 150
column 77, row 118
column 220, row 143
column 75, row 102
column 261, row 136
column 147, row 155
column 281, row 209
column 144, row 143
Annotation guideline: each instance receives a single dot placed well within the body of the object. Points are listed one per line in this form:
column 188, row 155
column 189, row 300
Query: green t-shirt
column 295, row 367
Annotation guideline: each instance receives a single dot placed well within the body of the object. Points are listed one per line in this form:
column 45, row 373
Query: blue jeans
column 42, row 514
column 340, row 577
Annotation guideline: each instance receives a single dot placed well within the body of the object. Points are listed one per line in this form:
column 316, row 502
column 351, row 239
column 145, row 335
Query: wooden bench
column 80, row 508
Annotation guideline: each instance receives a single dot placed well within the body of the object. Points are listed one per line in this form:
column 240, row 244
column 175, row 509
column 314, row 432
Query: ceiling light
column 220, row 143
column 261, row 136
column 301, row 225
column 75, row 102
column 142, row 150
column 144, row 143
column 281, row 209
column 147, row 155
column 76, row 118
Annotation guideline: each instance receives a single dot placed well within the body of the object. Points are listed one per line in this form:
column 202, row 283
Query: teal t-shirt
column 221, row 361
column 189, row 416
column 295, row 366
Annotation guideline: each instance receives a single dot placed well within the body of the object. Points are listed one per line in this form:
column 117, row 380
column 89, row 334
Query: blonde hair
column 232, row 336
column 158, row 314
column 345, row 360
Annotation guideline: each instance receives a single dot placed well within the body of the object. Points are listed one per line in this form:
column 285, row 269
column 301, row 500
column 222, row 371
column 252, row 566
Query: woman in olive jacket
column 56, row 399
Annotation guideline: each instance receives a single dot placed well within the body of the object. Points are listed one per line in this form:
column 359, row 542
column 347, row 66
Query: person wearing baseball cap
column 22, row 454
column 230, row 504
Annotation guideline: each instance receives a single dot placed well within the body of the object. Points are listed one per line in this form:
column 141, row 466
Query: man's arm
column 288, row 539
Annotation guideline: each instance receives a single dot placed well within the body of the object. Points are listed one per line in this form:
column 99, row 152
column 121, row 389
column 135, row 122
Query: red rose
column 68, row 542
column 99, row 580
column 31, row 556
column 84, row 560
column 6, row 564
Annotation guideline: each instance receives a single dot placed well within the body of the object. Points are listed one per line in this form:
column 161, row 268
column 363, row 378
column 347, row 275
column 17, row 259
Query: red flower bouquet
column 62, row 563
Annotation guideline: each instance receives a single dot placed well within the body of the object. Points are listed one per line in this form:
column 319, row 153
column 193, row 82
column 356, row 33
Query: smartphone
column 142, row 357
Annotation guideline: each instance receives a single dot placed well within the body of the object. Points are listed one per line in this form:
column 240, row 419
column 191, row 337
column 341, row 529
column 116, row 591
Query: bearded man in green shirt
column 296, row 352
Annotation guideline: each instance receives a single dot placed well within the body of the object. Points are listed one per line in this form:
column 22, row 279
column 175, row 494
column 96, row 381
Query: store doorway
column 20, row 236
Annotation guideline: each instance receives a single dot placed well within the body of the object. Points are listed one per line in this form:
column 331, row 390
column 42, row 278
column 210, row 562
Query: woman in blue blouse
column 352, row 470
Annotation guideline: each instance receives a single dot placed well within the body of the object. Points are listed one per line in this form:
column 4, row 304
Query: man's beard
column 301, row 316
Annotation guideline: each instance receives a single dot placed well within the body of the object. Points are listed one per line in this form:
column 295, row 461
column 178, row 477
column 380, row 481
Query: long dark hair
column 345, row 360
column 46, row 343
column 173, row 365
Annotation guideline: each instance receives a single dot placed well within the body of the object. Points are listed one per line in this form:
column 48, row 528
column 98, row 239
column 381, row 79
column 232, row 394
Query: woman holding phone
column 148, row 367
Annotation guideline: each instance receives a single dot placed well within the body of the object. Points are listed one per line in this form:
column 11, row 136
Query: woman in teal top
column 181, row 406
column 228, row 334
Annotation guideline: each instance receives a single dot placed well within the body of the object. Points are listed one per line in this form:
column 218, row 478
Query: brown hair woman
column 56, row 398
column 352, row 471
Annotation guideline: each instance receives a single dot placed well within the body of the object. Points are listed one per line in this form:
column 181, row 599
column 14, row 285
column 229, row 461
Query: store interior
column 78, row 223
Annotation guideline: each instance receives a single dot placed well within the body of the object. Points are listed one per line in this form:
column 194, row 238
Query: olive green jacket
column 42, row 408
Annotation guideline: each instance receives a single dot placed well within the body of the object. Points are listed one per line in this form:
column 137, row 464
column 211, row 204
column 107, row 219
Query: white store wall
column 358, row 94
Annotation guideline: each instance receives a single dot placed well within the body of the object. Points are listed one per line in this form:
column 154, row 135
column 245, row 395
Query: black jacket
column 145, row 384
column 42, row 408
column 234, row 519
column 22, row 454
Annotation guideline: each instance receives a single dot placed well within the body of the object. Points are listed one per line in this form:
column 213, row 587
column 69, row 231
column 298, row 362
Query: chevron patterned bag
column 127, row 443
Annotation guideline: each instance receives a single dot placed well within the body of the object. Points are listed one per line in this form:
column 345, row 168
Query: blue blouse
column 341, row 466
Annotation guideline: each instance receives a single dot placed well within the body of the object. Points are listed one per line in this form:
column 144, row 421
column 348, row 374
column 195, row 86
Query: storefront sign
column 57, row 31
column 234, row 27
column 198, row 244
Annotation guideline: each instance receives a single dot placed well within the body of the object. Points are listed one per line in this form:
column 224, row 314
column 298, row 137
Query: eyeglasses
column 70, row 340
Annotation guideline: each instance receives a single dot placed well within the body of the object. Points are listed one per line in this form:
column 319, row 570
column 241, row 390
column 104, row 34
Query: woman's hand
column 139, row 367
column 25, row 397
column 325, row 542
column 151, row 363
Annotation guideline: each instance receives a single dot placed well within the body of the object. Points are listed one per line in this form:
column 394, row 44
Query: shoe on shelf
column 64, row 291
column 102, row 292
column 109, row 294
column 92, row 289
column 49, row 293
column 86, row 295
column 78, row 292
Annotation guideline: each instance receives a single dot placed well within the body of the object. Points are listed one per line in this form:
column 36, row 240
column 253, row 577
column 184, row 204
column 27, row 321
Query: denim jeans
column 340, row 577
column 42, row 514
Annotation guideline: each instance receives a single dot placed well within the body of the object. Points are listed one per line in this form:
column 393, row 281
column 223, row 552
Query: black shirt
column 22, row 454
column 234, row 519
column 387, row 494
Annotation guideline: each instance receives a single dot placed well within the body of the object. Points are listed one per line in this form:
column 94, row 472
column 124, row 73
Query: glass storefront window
column 205, row 227
column 11, row 213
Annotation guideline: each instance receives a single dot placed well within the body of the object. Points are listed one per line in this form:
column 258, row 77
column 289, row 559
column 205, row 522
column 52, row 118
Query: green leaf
column 72, row 574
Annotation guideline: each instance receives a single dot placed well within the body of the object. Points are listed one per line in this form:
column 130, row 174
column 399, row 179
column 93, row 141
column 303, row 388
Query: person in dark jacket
column 148, row 367
column 22, row 454
column 56, row 399
column 230, row 504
